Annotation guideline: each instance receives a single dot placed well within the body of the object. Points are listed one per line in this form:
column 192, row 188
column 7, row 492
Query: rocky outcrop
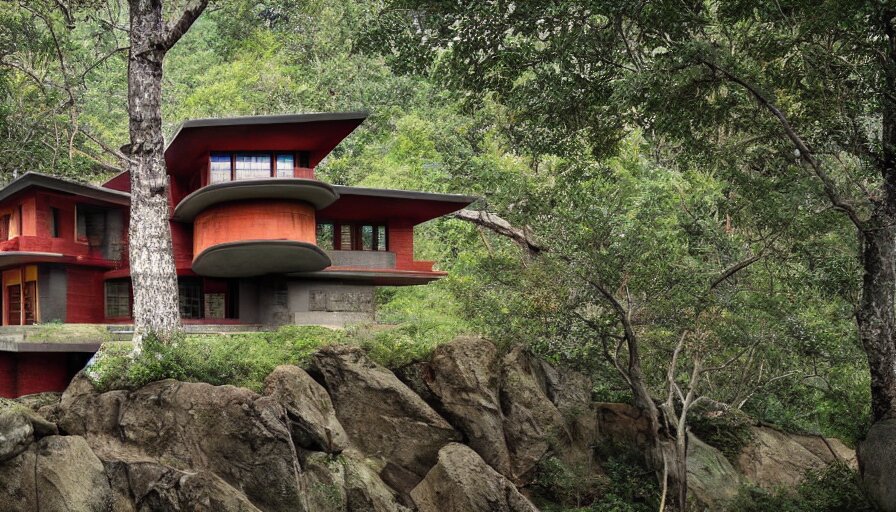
column 384, row 419
column 55, row 473
column 310, row 411
column 462, row 482
column 224, row 430
column 463, row 376
column 712, row 480
column 774, row 458
column 19, row 427
column 877, row 456
column 351, row 436
column 532, row 423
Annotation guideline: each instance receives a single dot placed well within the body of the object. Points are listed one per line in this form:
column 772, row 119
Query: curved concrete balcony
column 316, row 193
column 255, row 237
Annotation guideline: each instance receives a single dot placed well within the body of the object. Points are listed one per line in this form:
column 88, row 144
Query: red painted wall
column 25, row 373
column 86, row 295
column 253, row 220
column 8, row 375
column 38, row 372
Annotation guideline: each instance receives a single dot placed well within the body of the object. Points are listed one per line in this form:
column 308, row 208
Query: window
column 305, row 159
column 54, row 222
column 345, row 237
column 189, row 295
column 381, row 238
column 366, row 238
column 250, row 166
column 14, row 305
column 351, row 237
column 118, row 299
column 325, row 236
column 285, row 166
column 4, row 227
column 90, row 226
column 219, row 168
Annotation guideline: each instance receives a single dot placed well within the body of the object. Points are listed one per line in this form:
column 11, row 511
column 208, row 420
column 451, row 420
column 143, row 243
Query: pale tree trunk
column 149, row 237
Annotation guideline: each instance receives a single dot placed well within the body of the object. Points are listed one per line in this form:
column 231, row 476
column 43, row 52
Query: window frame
column 297, row 157
column 130, row 301
column 356, row 230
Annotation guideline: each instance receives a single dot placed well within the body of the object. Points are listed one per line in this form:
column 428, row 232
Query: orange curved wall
column 253, row 220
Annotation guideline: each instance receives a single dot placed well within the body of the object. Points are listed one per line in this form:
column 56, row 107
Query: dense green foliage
column 641, row 167
column 833, row 489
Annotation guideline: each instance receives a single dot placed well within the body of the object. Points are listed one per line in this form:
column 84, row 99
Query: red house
column 258, row 242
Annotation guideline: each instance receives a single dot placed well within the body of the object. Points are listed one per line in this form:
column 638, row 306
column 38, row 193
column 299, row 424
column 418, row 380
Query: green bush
column 727, row 430
column 833, row 489
column 239, row 359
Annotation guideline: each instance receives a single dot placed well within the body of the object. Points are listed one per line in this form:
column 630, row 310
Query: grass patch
column 243, row 359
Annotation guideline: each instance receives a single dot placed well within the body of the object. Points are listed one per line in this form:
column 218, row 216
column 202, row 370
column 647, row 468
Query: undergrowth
column 832, row 489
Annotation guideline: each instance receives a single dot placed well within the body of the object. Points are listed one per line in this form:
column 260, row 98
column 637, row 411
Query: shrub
column 833, row 489
column 239, row 359
column 727, row 430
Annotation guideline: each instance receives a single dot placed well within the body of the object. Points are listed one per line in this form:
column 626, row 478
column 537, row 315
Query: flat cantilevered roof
column 317, row 133
column 357, row 203
column 36, row 179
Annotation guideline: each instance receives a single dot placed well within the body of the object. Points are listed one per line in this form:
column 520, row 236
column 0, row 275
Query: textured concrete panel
column 52, row 283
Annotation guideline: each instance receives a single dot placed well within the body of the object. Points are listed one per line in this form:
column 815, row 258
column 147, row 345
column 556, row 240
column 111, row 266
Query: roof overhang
column 251, row 258
column 317, row 193
column 360, row 203
column 317, row 133
column 15, row 258
column 34, row 179
column 385, row 277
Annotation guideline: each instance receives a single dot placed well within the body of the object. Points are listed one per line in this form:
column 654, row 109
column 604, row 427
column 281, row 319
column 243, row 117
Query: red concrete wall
column 86, row 295
column 8, row 375
column 253, row 220
column 401, row 242
column 39, row 372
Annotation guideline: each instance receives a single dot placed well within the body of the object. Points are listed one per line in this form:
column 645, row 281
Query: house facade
column 258, row 241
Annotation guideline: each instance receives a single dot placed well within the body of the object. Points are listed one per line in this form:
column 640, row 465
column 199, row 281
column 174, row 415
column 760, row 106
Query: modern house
column 258, row 242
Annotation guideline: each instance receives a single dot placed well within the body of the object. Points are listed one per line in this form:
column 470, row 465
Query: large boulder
column 570, row 392
column 346, row 483
column 55, row 473
column 462, row 482
column 532, row 423
column 877, row 464
column 19, row 427
column 310, row 411
column 230, row 432
column 712, row 480
column 464, row 377
column 382, row 416
column 145, row 486
column 774, row 458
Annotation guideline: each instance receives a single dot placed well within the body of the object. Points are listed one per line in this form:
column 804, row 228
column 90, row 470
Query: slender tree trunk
column 151, row 259
column 876, row 317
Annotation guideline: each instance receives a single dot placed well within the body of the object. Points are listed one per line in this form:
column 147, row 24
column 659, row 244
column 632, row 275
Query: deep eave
column 35, row 179
column 313, row 117
column 317, row 133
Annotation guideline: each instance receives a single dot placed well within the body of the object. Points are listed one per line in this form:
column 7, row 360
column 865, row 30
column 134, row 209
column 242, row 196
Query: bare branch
column 500, row 226
column 173, row 32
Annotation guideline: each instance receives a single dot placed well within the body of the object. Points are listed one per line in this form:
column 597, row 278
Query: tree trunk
column 876, row 317
column 149, row 237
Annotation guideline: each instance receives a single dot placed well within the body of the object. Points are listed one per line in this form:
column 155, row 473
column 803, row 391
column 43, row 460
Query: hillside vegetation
column 670, row 243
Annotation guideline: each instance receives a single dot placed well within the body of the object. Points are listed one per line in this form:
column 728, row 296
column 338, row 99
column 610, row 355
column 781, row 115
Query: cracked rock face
column 462, row 482
column 384, row 419
column 312, row 417
column 55, row 473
